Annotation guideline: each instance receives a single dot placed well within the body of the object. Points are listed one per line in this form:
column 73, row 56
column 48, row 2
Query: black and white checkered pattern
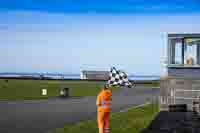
column 117, row 77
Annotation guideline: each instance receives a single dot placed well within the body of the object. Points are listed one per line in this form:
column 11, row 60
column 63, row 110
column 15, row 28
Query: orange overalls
column 103, row 113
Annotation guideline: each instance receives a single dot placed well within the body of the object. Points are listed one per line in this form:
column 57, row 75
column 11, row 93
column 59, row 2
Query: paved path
column 41, row 116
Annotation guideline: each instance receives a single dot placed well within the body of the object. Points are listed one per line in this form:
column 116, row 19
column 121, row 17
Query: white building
column 96, row 75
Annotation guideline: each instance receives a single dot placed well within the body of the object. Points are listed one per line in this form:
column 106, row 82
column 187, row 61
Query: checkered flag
column 117, row 77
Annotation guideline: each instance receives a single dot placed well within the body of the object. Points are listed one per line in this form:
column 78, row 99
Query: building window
column 178, row 53
column 191, row 50
column 184, row 51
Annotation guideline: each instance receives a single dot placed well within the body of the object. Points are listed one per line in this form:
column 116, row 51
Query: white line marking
column 126, row 109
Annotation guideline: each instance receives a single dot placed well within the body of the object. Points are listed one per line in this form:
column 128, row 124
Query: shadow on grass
column 174, row 122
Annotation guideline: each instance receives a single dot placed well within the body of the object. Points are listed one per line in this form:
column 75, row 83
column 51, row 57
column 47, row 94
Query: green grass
column 32, row 89
column 154, row 84
column 132, row 121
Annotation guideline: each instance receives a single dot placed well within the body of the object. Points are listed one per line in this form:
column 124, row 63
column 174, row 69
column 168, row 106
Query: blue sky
column 67, row 36
column 102, row 6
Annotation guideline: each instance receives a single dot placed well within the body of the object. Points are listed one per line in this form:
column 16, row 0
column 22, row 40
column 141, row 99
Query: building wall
column 184, row 72
column 179, row 91
column 83, row 75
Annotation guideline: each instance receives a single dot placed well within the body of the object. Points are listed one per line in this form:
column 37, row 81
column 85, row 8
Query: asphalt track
column 41, row 116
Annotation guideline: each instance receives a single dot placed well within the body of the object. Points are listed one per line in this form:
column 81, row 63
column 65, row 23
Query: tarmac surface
column 41, row 116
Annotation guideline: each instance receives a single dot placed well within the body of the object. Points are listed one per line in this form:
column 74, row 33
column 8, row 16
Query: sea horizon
column 72, row 76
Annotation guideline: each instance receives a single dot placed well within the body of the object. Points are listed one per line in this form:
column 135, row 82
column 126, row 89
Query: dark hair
column 106, row 86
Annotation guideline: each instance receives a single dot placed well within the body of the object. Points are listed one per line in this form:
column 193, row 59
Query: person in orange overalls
column 104, row 107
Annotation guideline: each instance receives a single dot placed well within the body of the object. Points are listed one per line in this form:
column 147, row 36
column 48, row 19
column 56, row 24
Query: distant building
column 96, row 75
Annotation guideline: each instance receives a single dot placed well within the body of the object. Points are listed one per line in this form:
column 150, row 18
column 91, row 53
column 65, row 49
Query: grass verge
column 132, row 121
column 13, row 89
column 156, row 84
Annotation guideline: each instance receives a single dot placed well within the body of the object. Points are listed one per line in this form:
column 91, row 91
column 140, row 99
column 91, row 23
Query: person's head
column 189, row 60
column 106, row 86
